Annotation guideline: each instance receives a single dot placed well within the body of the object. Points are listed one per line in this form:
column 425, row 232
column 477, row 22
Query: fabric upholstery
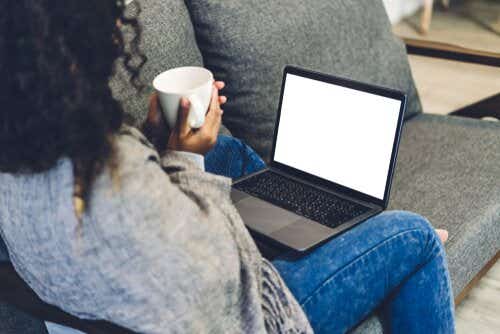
column 448, row 170
column 4, row 255
column 168, row 41
column 16, row 293
column 371, row 325
column 21, row 310
column 13, row 321
column 247, row 44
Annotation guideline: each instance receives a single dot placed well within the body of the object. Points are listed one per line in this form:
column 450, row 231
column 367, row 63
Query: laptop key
column 302, row 199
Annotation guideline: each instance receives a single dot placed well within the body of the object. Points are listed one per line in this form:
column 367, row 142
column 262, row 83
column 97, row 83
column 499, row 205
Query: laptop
column 333, row 156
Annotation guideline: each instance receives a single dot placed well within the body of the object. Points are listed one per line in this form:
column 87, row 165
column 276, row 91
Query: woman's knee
column 228, row 143
column 232, row 158
column 410, row 221
column 226, row 148
column 406, row 220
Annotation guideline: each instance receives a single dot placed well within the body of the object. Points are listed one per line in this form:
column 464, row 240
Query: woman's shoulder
column 131, row 146
column 135, row 191
column 129, row 177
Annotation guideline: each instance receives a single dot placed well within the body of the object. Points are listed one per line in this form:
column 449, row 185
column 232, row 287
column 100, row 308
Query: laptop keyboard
column 310, row 202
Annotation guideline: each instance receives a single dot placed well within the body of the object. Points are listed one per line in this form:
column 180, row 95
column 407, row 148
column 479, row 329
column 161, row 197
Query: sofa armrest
column 451, row 52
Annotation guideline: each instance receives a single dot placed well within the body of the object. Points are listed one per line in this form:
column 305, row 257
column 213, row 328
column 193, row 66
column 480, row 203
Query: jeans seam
column 316, row 291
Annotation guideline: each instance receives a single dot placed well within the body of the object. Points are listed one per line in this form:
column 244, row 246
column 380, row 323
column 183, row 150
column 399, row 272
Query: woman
column 100, row 223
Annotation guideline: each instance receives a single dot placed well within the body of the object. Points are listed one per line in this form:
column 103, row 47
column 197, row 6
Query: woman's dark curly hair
column 56, row 58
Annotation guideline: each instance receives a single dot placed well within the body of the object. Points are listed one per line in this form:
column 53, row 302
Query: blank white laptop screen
column 339, row 134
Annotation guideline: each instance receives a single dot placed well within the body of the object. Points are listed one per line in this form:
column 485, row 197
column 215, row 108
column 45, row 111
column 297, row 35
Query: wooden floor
column 479, row 313
column 445, row 85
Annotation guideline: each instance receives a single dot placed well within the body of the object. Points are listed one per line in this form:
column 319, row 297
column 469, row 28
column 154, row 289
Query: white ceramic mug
column 193, row 83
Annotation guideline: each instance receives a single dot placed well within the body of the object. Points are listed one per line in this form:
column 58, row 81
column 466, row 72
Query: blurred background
column 471, row 28
column 467, row 26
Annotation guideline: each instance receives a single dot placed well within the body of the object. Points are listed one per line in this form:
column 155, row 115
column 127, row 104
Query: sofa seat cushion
column 448, row 170
column 247, row 44
column 372, row 325
column 168, row 41
column 4, row 254
column 13, row 321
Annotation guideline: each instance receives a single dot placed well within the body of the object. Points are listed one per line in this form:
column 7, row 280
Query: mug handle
column 196, row 116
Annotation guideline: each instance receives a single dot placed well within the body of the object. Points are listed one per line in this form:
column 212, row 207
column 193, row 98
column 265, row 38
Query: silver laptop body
column 336, row 139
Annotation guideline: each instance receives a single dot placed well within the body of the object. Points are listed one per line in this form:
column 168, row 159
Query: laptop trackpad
column 264, row 217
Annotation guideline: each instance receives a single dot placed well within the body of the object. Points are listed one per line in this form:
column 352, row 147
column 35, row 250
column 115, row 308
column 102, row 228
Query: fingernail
column 184, row 102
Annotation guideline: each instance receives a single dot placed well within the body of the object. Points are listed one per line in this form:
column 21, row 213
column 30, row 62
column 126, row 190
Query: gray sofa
column 448, row 167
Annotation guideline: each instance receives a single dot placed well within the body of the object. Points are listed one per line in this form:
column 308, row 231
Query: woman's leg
column 393, row 260
column 232, row 158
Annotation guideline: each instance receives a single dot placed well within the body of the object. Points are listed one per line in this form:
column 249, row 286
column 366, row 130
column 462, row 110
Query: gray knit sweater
column 164, row 252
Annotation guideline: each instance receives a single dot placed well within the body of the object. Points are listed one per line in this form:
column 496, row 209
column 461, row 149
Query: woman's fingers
column 155, row 118
column 182, row 118
column 155, row 127
column 154, row 115
column 219, row 84
column 222, row 99
column 198, row 141
column 214, row 101
column 214, row 115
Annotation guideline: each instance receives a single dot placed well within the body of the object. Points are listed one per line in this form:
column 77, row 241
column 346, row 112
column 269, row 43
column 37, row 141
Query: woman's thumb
column 182, row 118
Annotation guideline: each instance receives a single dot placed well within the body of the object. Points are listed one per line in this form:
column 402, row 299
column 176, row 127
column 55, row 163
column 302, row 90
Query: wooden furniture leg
column 426, row 17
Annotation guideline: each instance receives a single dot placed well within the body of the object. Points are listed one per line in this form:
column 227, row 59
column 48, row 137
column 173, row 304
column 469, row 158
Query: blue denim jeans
column 393, row 265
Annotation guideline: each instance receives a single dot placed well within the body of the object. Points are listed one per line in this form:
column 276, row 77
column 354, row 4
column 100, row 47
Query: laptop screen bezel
column 347, row 83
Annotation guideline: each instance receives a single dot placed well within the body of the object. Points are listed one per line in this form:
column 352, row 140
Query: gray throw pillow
column 168, row 41
column 247, row 44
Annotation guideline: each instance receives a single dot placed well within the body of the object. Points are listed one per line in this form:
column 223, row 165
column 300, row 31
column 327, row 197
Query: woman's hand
column 182, row 137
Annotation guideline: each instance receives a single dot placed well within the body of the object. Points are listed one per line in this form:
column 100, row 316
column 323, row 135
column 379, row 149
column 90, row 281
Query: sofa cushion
column 16, row 295
column 168, row 41
column 247, row 44
column 4, row 255
column 448, row 170
column 13, row 321
column 372, row 325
